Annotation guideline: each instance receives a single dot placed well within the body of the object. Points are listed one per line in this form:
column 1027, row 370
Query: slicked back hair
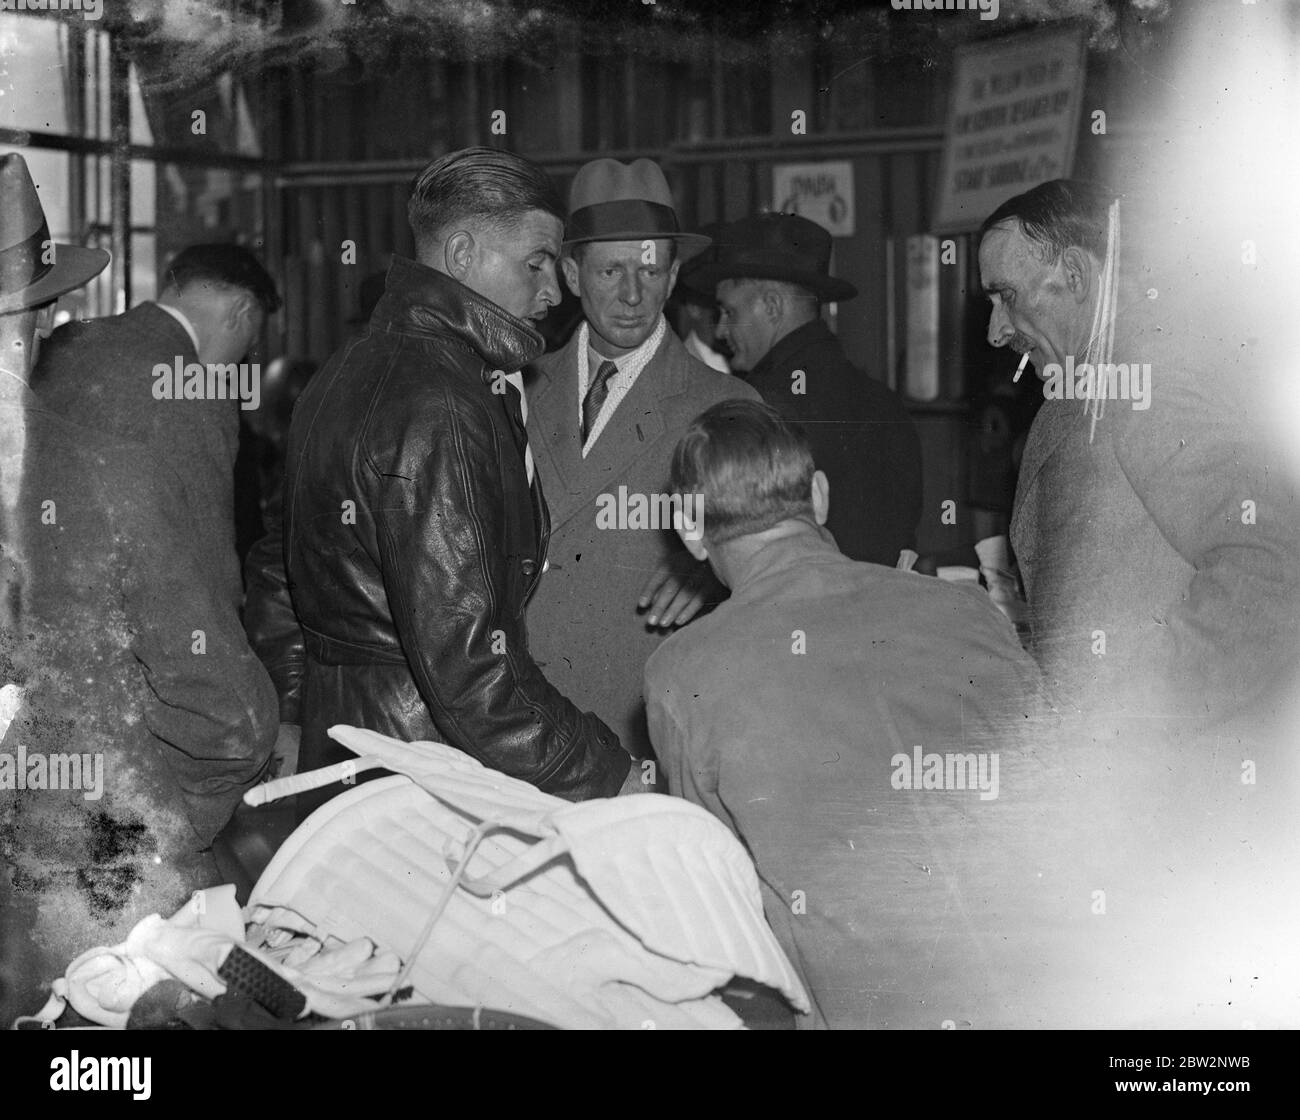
column 753, row 468
column 226, row 265
column 477, row 187
column 1058, row 214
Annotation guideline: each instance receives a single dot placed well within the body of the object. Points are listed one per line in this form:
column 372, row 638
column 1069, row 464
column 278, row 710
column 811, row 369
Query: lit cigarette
column 1024, row 361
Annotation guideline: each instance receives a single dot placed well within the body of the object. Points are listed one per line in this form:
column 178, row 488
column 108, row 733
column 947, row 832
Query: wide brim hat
column 33, row 269
column 613, row 201
column 773, row 247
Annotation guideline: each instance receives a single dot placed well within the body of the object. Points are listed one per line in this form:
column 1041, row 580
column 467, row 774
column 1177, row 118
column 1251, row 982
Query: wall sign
column 822, row 192
column 1012, row 122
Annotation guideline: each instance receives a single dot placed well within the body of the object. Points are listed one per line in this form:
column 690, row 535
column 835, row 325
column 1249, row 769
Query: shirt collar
column 184, row 321
column 632, row 359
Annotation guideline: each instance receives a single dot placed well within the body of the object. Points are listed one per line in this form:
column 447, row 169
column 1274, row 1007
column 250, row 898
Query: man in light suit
column 604, row 414
column 1157, row 534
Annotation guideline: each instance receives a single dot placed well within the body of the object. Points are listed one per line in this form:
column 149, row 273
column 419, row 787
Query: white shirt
column 629, row 369
column 517, row 380
column 184, row 321
column 696, row 347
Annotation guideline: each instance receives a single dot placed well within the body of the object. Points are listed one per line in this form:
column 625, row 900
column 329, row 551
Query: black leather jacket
column 412, row 541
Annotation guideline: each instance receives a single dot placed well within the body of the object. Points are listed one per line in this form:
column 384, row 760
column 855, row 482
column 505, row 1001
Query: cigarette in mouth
column 1024, row 361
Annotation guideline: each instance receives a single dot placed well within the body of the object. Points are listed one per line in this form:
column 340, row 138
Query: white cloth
column 103, row 984
column 629, row 369
column 616, row 912
column 697, row 348
column 184, row 321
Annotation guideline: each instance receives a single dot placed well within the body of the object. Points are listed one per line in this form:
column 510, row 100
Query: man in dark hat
column 414, row 524
column 132, row 713
column 604, row 414
column 771, row 273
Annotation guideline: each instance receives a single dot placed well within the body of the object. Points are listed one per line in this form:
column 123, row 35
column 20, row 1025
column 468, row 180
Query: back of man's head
column 752, row 468
column 222, row 266
column 477, row 188
column 1058, row 214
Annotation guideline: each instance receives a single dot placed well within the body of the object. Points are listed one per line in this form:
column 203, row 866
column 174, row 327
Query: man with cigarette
column 1156, row 531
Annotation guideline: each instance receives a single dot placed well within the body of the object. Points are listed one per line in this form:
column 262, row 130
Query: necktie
column 594, row 401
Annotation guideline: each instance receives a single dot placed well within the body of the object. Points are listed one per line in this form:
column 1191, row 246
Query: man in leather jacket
column 414, row 529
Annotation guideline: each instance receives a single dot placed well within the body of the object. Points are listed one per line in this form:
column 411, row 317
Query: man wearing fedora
column 771, row 274
column 133, row 715
column 604, row 415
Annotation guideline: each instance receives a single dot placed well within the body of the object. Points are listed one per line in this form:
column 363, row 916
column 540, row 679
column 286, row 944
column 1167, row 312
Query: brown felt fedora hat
column 613, row 201
column 34, row 270
column 773, row 247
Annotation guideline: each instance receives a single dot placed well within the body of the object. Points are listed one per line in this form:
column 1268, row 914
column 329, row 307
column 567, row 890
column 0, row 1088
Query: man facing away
column 604, row 414
column 105, row 374
column 771, row 274
column 414, row 524
column 133, row 716
column 807, row 705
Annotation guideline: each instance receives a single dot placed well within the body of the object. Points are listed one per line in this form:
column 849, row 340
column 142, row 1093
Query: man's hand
column 636, row 780
column 676, row 593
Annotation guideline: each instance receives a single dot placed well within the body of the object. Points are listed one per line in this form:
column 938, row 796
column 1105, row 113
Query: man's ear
column 570, row 269
column 45, row 319
column 773, row 305
column 241, row 307
column 694, row 545
column 458, row 253
column 1079, row 272
column 821, row 496
column 672, row 277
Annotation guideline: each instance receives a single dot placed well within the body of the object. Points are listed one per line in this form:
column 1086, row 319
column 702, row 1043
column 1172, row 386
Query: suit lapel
column 1052, row 426
column 636, row 426
column 552, row 387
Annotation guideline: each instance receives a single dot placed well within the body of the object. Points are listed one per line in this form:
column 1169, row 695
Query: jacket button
column 530, row 568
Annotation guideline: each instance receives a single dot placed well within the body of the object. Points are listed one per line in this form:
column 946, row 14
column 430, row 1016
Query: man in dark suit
column 132, row 713
column 120, row 376
column 604, row 414
column 771, row 273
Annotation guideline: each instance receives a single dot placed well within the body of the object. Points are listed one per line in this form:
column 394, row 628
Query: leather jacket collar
column 420, row 300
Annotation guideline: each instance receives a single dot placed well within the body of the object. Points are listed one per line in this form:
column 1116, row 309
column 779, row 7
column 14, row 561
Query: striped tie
column 594, row 401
